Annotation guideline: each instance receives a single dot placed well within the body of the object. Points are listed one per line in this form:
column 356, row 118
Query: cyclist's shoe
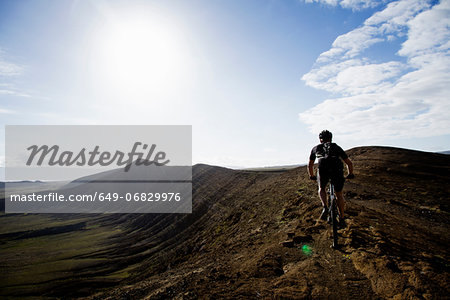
column 324, row 214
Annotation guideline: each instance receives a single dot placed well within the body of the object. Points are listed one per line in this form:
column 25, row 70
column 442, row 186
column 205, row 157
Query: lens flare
column 307, row 250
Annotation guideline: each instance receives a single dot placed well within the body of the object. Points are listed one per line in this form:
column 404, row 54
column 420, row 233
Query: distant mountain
column 274, row 168
column 445, row 152
column 251, row 234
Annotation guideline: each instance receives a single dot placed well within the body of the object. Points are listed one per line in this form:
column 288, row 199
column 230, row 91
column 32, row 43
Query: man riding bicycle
column 330, row 157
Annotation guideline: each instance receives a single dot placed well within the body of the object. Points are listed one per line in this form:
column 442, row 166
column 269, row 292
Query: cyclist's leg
column 338, row 182
column 340, row 203
column 322, row 180
column 323, row 196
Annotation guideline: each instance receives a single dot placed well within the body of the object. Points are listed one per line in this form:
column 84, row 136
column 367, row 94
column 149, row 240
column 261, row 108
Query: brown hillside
column 395, row 244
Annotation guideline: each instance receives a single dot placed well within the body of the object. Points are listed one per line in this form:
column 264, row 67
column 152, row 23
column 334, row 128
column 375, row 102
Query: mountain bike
column 333, row 213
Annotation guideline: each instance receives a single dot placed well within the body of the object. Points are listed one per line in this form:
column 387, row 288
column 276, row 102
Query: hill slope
column 395, row 244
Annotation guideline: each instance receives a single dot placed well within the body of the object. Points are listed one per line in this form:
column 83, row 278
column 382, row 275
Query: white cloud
column 357, row 4
column 397, row 14
column 353, row 4
column 429, row 32
column 6, row 111
column 8, row 69
column 391, row 99
column 327, row 2
column 352, row 44
column 370, row 78
column 13, row 92
column 325, row 77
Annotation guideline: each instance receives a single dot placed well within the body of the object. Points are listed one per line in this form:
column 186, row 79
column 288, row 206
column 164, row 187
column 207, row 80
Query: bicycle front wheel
column 334, row 224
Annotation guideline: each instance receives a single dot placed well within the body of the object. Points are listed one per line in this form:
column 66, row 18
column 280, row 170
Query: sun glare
column 138, row 56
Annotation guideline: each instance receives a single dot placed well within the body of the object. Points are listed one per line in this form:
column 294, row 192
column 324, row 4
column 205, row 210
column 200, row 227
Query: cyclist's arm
column 349, row 164
column 311, row 168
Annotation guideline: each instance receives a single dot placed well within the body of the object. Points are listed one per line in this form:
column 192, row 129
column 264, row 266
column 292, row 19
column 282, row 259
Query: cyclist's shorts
column 337, row 178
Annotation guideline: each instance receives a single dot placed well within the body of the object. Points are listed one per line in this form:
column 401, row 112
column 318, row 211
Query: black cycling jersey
column 330, row 160
column 330, row 164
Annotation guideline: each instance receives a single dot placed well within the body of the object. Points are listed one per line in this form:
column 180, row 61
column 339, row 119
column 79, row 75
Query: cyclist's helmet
column 325, row 135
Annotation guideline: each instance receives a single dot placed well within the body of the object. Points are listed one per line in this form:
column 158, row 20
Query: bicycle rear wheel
column 333, row 216
column 334, row 223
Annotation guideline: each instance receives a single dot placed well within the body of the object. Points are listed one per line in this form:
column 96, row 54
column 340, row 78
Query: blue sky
column 257, row 80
